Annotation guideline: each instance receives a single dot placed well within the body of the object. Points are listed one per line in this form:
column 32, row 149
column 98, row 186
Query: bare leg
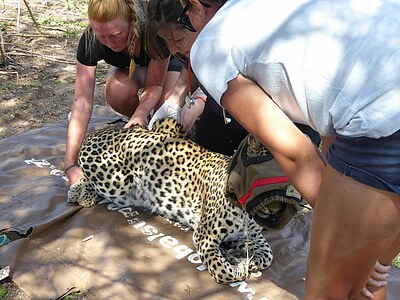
column 353, row 226
column 386, row 259
column 121, row 93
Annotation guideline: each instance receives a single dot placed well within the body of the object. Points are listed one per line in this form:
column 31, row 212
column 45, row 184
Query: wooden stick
column 55, row 28
column 26, row 35
column 2, row 52
column 7, row 19
column 18, row 14
column 36, row 54
column 32, row 16
column 10, row 73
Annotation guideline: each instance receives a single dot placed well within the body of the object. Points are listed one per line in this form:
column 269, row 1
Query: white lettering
column 42, row 163
column 149, row 230
column 38, row 163
column 179, row 225
column 153, row 237
column 168, row 241
column 194, row 258
column 201, row 268
column 182, row 251
column 128, row 212
column 140, row 224
column 132, row 221
column 242, row 287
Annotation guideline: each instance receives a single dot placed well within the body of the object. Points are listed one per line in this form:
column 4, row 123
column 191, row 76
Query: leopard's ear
column 169, row 126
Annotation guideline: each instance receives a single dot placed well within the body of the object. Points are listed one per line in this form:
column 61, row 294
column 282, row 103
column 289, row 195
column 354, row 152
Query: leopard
column 165, row 172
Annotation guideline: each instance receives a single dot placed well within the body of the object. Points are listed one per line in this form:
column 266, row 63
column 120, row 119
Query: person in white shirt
column 333, row 65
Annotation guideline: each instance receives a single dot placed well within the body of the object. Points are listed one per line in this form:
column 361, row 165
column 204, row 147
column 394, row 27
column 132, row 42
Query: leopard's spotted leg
column 81, row 193
column 231, row 257
column 219, row 267
column 256, row 249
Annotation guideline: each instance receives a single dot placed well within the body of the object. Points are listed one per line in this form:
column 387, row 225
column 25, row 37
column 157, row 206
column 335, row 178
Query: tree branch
column 37, row 54
column 2, row 52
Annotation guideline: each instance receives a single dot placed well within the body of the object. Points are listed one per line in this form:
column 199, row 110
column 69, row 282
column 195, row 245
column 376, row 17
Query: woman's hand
column 152, row 90
column 376, row 280
column 74, row 174
column 137, row 118
column 169, row 109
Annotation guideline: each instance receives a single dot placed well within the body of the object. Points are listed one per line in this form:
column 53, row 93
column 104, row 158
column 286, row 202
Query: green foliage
column 188, row 289
column 52, row 21
column 101, row 76
column 4, row 26
column 70, row 79
column 72, row 29
column 3, row 293
column 396, row 262
column 76, row 5
column 70, row 4
column 73, row 295
column 5, row 86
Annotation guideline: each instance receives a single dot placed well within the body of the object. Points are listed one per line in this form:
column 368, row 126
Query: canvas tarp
column 111, row 253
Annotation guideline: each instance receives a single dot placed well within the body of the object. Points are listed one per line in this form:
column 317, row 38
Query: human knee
column 119, row 86
column 121, row 94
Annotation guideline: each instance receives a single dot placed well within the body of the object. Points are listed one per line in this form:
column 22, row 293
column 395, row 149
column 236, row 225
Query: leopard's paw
column 75, row 189
column 81, row 193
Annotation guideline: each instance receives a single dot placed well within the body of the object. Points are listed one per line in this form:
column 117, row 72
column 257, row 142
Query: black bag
column 257, row 183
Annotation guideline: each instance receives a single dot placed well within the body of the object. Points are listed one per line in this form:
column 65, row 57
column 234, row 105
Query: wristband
column 189, row 100
column 69, row 168
column 201, row 97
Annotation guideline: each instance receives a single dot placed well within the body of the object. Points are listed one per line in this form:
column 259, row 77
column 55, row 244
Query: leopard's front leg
column 82, row 193
column 221, row 270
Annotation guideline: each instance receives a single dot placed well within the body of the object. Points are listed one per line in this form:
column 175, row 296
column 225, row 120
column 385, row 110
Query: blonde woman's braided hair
column 130, row 10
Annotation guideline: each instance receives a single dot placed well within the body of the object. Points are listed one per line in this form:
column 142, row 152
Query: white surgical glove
column 168, row 109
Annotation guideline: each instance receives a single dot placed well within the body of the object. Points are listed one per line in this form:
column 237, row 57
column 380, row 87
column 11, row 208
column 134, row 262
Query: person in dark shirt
column 216, row 129
column 116, row 35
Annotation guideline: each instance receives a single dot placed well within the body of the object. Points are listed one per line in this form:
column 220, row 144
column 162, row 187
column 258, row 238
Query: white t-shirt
column 334, row 65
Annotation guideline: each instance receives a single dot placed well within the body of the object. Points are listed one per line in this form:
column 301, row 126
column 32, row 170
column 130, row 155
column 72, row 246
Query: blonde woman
column 115, row 35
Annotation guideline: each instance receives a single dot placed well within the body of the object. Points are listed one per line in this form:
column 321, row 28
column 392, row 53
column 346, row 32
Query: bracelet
column 200, row 97
column 69, row 168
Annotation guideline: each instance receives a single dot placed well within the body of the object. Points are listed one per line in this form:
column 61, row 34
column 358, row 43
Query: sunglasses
column 183, row 18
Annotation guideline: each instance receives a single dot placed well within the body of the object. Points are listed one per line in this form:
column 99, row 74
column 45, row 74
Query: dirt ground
column 37, row 82
column 37, row 72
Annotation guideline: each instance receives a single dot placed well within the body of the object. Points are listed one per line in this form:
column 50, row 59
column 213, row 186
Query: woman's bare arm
column 294, row 151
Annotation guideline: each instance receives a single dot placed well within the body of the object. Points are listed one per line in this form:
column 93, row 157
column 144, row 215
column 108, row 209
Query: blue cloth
column 4, row 240
column 374, row 162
